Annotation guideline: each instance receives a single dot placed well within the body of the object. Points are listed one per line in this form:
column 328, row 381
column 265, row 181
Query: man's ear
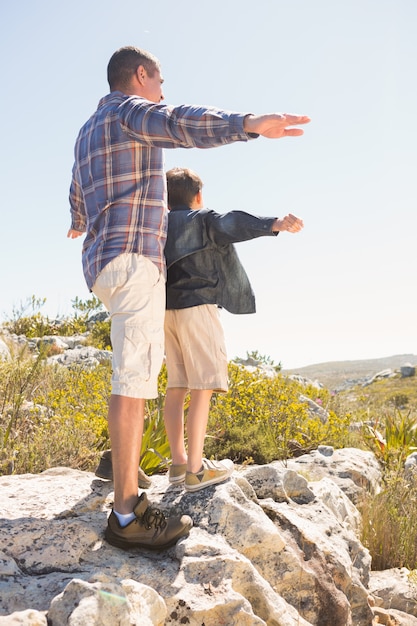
column 141, row 74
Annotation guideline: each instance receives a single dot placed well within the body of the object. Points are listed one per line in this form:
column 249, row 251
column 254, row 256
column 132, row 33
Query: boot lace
column 153, row 517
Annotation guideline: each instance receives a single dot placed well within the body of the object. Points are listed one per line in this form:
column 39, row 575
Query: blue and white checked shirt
column 118, row 188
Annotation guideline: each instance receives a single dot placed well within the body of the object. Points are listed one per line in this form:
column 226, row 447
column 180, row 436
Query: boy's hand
column 275, row 125
column 290, row 223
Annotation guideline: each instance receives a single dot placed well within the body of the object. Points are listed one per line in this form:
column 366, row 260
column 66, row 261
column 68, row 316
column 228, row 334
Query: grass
column 388, row 408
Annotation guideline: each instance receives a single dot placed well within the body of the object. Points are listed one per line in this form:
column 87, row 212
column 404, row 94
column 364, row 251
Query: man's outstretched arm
column 275, row 125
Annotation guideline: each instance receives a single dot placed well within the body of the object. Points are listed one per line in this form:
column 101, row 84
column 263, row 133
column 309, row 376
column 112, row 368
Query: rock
column 355, row 471
column 268, row 547
column 52, row 529
column 395, row 589
column 4, row 351
column 314, row 409
column 393, row 618
column 326, row 450
column 72, row 350
column 86, row 356
column 408, row 370
column 410, row 465
column 386, row 373
column 107, row 603
column 278, row 483
column 306, row 382
column 25, row 618
column 101, row 316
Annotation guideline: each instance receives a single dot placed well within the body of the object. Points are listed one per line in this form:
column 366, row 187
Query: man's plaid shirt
column 118, row 188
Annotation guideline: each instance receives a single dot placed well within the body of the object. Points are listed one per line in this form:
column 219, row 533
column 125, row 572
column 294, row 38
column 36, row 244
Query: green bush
column 29, row 321
column 100, row 335
column 262, row 418
column 52, row 415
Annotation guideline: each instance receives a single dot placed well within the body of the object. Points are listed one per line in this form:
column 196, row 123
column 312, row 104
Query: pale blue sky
column 342, row 289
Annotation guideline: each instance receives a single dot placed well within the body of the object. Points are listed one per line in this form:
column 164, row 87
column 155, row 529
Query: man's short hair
column 183, row 185
column 124, row 63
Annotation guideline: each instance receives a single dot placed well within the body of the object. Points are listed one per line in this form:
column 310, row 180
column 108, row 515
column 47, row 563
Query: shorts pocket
column 136, row 353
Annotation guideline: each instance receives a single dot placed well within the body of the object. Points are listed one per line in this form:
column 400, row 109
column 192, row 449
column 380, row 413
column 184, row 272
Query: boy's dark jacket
column 202, row 263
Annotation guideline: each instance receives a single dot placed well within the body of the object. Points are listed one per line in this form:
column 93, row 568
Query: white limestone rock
column 395, row 589
column 107, row 603
column 268, row 547
column 355, row 471
column 25, row 618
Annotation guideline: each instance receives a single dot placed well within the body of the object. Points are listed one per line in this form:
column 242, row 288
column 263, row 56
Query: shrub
column 155, row 452
column 100, row 335
column 51, row 415
column 18, row 380
column 28, row 320
column 389, row 523
column 263, row 418
column 59, row 421
column 392, row 438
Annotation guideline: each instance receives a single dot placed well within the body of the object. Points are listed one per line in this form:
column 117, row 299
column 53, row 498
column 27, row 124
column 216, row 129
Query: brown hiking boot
column 105, row 470
column 150, row 530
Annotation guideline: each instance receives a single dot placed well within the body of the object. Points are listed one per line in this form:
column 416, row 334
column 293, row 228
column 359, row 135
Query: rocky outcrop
column 70, row 351
column 4, row 351
column 270, row 546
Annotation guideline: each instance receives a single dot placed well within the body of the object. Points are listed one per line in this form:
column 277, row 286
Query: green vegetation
column 388, row 410
column 262, row 419
column 51, row 415
column 29, row 321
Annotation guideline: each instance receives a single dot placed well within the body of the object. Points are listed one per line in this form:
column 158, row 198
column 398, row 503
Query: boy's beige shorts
column 195, row 348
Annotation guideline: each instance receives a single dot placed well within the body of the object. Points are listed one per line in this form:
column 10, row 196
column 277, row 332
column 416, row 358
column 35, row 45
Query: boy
column 203, row 274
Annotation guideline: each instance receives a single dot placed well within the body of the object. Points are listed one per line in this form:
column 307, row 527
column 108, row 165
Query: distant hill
column 334, row 373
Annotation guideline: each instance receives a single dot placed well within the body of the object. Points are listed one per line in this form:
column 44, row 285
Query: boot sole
column 118, row 542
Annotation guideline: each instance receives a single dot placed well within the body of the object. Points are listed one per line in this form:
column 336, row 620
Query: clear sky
column 344, row 288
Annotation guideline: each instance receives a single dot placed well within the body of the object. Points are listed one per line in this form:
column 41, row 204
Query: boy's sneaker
column 177, row 473
column 150, row 530
column 213, row 472
column 105, row 470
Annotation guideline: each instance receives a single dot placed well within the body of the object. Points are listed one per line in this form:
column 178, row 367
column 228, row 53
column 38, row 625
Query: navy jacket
column 202, row 264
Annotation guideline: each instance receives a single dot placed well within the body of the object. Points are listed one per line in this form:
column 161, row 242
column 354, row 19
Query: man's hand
column 290, row 223
column 73, row 234
column 275, row 125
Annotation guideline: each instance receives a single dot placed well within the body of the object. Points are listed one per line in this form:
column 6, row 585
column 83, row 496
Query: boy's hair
column 183, row 185
column 124, row 63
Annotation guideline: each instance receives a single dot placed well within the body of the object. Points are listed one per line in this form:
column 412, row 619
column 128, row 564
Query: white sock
column 124, row 519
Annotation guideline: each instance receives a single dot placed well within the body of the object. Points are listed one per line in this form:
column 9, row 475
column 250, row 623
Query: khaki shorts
column 133, row 291
column 195, row 348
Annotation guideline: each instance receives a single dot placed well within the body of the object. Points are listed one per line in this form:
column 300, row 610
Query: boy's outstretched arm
column 289, row 223
column 275, row 125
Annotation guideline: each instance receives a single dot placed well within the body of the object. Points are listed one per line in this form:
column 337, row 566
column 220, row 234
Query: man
column 118, row 197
